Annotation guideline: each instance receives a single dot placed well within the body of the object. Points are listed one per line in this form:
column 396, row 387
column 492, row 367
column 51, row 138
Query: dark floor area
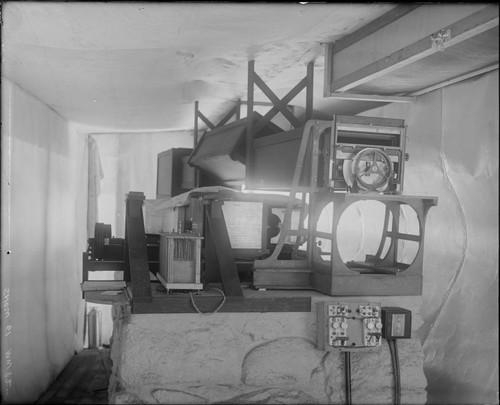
column 85, row 380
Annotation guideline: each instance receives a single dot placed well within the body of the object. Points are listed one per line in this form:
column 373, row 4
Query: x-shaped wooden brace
column 235, row 111
column 280, row 105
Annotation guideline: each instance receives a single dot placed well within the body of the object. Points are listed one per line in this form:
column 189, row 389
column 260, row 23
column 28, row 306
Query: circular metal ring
column 372, row 169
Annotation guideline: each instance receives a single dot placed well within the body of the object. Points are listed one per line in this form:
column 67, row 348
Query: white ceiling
column 114, row 67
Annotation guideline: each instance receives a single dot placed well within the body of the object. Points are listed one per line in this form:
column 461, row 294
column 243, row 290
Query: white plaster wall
column 129, row 163
column 44, row 198
column 453, row 147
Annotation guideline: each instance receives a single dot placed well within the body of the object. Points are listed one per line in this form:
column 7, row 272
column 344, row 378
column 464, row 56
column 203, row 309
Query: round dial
column 371, row 169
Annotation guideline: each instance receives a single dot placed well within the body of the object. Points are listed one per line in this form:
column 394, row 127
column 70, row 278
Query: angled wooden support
column 136, row 266
column 281, row 105
column 198, row 115
column 221, row 246
column 278, row 105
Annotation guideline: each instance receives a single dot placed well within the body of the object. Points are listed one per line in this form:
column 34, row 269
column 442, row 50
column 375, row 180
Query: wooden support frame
column 459, row 31
column 308, row 269
column 198, row 115
column 278, row 105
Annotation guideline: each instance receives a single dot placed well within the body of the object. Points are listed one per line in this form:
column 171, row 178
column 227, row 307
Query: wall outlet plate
column 348, row 326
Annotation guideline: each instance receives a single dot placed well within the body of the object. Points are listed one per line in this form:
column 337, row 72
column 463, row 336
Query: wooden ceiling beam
column 466, row 28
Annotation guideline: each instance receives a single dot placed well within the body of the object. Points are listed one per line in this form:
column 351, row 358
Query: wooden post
column 136, row 254
column 224, row 252
column 309, row 90
column 195, row 124
column 249, row 132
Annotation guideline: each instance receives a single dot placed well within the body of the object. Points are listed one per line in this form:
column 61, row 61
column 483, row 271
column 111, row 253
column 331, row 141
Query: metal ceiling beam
column 466, row 28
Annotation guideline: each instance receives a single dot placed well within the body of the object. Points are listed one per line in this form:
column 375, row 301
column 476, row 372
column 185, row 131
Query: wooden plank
column 101, row 265
column 103, row 285
column 456, row 80
column 376, row 285
column 461, row 30
column 282, row 278
column 224, row 252
column 182, row 304
column 195, row 141
column 372, row 26
column 249, row 122
column 136, row 247
column 100, row 297
column 371, row 97
column 328, row 70
column 309, row 90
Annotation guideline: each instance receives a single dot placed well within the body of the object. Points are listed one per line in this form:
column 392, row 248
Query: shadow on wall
column 442, row 390
column 453, row 147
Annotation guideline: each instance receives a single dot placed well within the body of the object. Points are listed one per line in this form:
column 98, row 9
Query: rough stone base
column 239, row 358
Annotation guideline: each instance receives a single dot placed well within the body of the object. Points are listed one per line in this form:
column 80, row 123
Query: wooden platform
column 208, row 299
column 84, row 380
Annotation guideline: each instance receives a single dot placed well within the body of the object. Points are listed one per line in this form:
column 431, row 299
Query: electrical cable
column 398, row 373
column 347, row 370
column 216, row 309
column 395, row 369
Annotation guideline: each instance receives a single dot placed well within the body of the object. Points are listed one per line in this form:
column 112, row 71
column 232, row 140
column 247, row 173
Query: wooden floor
column 85, row 380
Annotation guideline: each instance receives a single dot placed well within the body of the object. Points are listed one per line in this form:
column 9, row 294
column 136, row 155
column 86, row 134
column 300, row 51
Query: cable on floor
column 216, row 309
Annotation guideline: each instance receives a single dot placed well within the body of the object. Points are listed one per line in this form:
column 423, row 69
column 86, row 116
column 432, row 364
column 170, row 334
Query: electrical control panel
column 396, row 323
column 348, row 326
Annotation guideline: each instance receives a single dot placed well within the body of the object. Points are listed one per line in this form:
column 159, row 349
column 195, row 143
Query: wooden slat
column 182, row 304
column 309, row 90
column 373, row 26
column 456, row 80
column 136, row 248
column 371, row 97
column 249, row 155
column 103, row 285
column 195, row 140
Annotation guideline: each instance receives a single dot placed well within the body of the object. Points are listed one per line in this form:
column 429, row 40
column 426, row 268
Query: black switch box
column 396, row 323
